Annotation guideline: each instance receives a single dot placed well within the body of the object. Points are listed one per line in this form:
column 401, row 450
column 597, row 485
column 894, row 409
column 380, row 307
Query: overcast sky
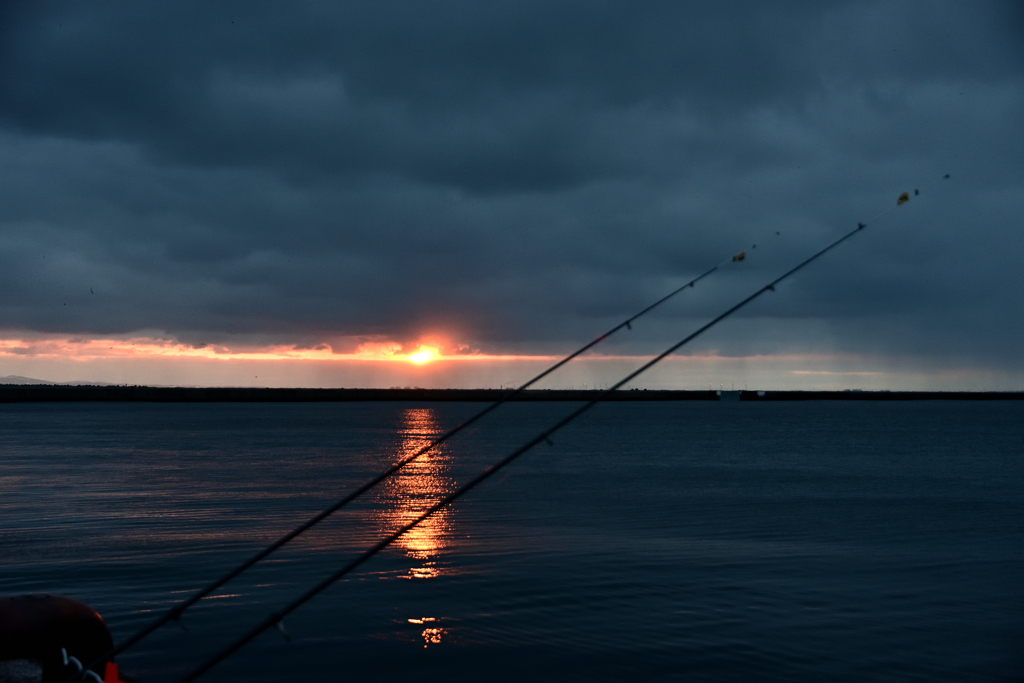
column 514, row 178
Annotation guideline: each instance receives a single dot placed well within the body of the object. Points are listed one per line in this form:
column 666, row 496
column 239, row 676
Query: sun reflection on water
column 416, row 487
column 432, row 634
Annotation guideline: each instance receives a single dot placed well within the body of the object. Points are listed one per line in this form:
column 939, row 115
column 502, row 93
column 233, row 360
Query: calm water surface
column 663, row 541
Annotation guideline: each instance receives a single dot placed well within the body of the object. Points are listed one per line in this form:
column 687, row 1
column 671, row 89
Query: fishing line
column 277, row 617
column 175, row 613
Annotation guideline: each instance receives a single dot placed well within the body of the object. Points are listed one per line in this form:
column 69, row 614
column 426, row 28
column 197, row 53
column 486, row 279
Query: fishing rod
column 175, row 613
column 276, row 619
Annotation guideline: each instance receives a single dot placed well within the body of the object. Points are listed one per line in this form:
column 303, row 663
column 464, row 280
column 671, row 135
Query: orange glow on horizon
column 434, row 361
column 84, row 349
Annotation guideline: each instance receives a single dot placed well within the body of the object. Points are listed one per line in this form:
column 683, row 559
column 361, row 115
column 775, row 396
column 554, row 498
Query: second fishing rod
column 276, row 619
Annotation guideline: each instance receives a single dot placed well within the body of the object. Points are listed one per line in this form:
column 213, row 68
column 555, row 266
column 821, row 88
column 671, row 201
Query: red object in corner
column 110, row 675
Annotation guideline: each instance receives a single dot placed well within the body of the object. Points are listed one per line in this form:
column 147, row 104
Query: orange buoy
column 37, row 627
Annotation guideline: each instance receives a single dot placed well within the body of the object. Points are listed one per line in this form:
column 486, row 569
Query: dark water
column 673, row 541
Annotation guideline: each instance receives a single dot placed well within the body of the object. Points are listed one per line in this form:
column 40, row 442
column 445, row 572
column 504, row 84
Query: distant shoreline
column 30, row 393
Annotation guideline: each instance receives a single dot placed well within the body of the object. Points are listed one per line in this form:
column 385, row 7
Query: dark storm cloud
column 518, row 174
column 529, row 96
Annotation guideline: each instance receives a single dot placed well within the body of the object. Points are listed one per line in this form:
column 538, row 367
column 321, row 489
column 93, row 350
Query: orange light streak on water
column 408, row 494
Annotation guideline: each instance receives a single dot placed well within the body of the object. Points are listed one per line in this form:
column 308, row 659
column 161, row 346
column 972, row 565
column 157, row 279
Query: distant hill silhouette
column 18, row 379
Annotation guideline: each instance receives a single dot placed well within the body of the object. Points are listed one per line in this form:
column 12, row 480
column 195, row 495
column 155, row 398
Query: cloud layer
column 513, row 178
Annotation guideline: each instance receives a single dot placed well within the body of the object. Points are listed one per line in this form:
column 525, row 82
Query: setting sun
column 425, row 354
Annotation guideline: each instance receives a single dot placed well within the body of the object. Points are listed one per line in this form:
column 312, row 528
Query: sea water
column 690, row 541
